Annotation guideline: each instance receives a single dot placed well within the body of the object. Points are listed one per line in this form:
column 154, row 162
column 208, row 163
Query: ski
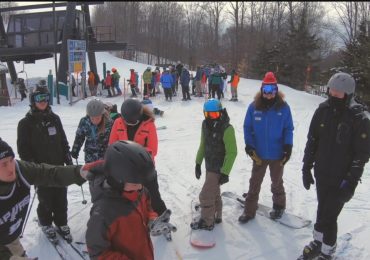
column 82, row 254
column 58, row 248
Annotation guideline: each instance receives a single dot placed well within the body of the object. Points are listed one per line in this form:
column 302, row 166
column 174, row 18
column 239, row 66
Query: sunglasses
column 41, row 98
column 212, row 114
column 269, row 89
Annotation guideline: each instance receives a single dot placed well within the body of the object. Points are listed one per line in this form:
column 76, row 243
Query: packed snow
column 261, row 238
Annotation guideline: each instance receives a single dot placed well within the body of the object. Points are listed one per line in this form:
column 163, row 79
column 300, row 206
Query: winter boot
column 65, row 232
column 276, row 213
column 218, row 218
column 201, row 224
column 244, row 218
column 312, row 250
column 50, row 233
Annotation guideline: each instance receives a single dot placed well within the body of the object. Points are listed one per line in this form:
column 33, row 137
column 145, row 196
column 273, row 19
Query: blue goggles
column 269, row 89
column 41, row 98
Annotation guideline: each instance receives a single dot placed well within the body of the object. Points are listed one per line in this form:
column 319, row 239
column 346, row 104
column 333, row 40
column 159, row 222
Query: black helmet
column 37, row 91
column 131, row 111
column 127, row 161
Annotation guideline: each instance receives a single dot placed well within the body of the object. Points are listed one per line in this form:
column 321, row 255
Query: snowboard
column 200, row 238
column 288, row 219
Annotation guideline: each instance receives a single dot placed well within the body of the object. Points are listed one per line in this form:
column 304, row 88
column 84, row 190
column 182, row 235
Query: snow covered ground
column 260, row 238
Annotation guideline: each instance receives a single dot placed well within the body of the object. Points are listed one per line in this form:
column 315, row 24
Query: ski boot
column 312, row 250
column 324, row 257
column 201, row 224
column 244, row 218
column 65, row 232
column 276, row 213
column 50, row 233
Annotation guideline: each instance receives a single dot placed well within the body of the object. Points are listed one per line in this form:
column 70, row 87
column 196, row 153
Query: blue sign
column 76, row 55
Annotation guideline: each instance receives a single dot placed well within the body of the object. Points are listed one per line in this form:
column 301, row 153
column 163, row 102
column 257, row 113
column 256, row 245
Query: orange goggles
column 212, row 114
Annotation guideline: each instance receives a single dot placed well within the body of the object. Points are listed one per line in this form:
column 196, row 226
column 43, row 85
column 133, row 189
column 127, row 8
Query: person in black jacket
column 41, row 139
column 338, row 147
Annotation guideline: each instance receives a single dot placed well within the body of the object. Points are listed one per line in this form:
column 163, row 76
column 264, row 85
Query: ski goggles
column 269, row 89
column 41, row 98
column 212, row 114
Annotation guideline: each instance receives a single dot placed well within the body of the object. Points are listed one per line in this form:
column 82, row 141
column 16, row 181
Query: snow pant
column 147, row 88
column 255, row 182
column 116, row 86
column 93, row 89
column 157, row 87
column 193, row 90
column 210, row 198
column 216, row 89
column 52, row 205
column 133, row 90
column 185, row 92
column 328, row 210
column 174, row 90
column 234, row 92
column 152, row 90
column 168, row 93
column 203, row 87
column 198, row 88
column 158, row 204
column 13, row 251
column 23, row 94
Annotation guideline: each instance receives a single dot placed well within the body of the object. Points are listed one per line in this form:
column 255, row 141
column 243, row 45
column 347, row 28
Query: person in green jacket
column 16, row 178
column 147, row 78
column 218, row 147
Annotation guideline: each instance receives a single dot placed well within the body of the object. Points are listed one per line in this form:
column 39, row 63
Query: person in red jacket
column 137, row 124
column 121, row 215
column 132, row 82
column 108, row 84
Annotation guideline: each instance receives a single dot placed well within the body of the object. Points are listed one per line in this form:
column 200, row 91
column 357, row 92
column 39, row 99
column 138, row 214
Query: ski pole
column 28, row 213
column 82, row 191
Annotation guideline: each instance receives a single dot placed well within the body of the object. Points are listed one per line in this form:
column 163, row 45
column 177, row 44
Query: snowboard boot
column 327, row 252
column 65, row 232
column 244, row 218
column 201, row 224
column 50, row 233
column 218, row 218
column 324, row 257
column 312, row 250
column 276, row 213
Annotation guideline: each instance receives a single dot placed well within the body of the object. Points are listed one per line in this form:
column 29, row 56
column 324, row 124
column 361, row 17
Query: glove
column 74, row 154
column 198, row 171
column 307, row 177
column 347, row 189
column 69, row 159
column 161, row 224
column 253, row 155
column 287, row 152
column 85, row 170
column 224, row 179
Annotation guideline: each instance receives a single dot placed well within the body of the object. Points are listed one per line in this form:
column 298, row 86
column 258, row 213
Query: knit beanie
column 95, row 108
column 269, row 78
column 5, row 150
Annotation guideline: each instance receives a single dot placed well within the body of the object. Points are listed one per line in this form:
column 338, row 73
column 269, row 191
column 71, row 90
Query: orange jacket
column 91, row 79
column 146, row 134
column 235, row 81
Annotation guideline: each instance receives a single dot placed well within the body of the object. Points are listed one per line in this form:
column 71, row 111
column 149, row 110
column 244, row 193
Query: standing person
column 218, row 147
column 216, row 81
column 234, row 81
column 122, row 215
column 157, row 81
column 115, row 81
column 198, row 86
column 173, row 73
column 137, row 124
column 166, row 81
column 21, row 88
column 73, row 84
column 147, row 78
column 94, row 128
column 15, row 179
column 91, row 83
column 185, row 80
column 337, row 148
column 41, row 139
column 108, row 84
column 268, row 136
column 133, row 82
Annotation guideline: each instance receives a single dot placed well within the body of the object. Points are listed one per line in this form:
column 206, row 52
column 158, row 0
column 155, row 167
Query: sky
column 259, row 239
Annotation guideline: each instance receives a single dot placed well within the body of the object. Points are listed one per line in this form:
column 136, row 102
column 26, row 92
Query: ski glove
column 347, row 189
column 198, row 171
column 224, row 179
column 253, row 155
column 85, row 170
column 307, row 177
column 68, row 159
column 74, row 154
column 287, row 152
column 161, row 224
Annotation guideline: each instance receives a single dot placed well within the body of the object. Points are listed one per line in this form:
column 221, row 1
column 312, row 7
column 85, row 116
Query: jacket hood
column 258, row 101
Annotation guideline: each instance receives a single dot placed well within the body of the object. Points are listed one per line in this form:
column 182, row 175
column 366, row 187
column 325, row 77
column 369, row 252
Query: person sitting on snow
column 148, row 103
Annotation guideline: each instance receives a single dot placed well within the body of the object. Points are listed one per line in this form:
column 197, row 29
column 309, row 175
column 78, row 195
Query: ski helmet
column 95, row 108
column 212, row 105
column 131, row 111
column 40, row 90
column 127, row 162
column 342, row 82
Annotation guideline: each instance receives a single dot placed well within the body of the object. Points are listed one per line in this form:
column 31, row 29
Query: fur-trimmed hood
column 258, row 101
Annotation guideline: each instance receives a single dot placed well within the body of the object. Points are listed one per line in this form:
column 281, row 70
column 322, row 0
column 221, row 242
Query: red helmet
column 114, row 70
column 269, row 78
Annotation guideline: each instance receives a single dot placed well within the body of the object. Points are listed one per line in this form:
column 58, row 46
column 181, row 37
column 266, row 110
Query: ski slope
column 178, row 144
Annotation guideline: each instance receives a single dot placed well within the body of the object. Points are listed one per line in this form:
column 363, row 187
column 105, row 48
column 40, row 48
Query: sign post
column 76, row 62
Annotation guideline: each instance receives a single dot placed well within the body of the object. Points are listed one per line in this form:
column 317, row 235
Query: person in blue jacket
column 268, row 135
column 167, row 81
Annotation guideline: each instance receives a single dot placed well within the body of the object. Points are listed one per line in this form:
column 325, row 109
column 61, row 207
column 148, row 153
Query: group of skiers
column 120, row 151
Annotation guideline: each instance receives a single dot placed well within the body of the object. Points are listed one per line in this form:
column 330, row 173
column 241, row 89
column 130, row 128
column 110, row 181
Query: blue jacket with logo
column 267, row 130
column 166, row 80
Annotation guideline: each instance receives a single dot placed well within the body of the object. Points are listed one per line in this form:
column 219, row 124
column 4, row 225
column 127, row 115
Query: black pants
column 185, row 92
column 52, row 206
column 158, row 204
column 216, row 89
column 133, row 90
column 328, row 210
column 168, row 93
column 147, row 88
